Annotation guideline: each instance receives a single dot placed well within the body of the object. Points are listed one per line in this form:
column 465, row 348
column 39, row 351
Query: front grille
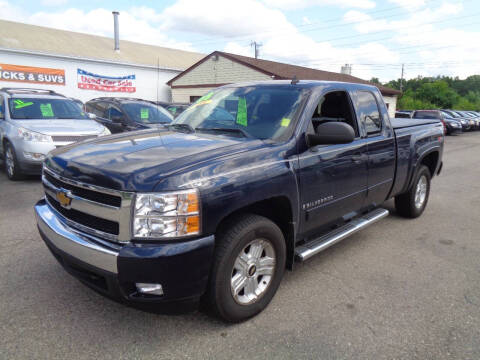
column 92, row 210
column 101, row 198
column 72, row 138
column 93, row 222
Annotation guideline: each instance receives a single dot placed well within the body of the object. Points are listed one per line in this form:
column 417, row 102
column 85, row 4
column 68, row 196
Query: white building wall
column 146, row 78
column 221, row 71
column 183, row 94
column 392, row 105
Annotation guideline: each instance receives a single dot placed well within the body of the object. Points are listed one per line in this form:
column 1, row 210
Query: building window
column 194, row 98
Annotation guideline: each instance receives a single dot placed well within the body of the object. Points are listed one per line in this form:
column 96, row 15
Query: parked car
column 127, row 114
column 430, row 114
column 163, row 104
column 473, row 119
column 477, row 118
column 220, row 202
column 177, row 108
column 403, row 114
column 33, row 122
column 466, row 125
column 454, row 126
column 79, row 103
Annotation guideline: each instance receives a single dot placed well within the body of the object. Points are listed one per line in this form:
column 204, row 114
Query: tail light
column 444, row 127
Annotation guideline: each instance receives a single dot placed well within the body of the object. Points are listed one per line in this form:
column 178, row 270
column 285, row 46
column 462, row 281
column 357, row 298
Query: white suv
column 34, row 122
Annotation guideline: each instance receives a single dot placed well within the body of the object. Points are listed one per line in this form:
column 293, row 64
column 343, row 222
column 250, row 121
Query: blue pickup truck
column 249, row 180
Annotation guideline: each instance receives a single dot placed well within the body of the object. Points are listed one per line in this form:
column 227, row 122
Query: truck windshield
column 426, row 115
column 45, row 108
column 146, row 113
column 261, row 112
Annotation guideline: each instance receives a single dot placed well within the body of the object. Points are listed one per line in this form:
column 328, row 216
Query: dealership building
column 87, row 66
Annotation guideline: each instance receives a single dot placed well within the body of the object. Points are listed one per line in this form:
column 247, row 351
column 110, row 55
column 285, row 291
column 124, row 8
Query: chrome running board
column 315, row 246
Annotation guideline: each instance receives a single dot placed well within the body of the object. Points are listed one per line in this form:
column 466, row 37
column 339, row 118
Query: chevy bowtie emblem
column 64, row 199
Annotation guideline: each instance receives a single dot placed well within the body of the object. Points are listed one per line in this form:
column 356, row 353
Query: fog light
column 34, row 156
column 151, row 289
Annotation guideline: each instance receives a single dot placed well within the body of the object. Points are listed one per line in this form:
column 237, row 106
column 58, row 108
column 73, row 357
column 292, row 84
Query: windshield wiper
column 182, row 126
column 227, row 130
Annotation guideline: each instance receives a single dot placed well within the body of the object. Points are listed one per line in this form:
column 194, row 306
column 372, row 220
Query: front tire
column 11, row 164
column 412, row 203
column 248, row 266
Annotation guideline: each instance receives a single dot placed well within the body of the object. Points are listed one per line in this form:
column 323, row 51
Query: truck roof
column 304, row 84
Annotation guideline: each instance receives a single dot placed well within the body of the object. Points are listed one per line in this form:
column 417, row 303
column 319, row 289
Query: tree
column 438, row 92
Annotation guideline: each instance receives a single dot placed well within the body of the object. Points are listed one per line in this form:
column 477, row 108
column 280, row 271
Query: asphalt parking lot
column 406, row 289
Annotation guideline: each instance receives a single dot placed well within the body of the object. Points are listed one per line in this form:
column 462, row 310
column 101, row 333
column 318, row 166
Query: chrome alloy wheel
column 253, row 271
column 421, row 192
column 9, row 161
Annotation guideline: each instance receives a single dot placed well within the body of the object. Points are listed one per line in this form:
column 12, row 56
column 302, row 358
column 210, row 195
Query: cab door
column 381, row 148
column 332, row 178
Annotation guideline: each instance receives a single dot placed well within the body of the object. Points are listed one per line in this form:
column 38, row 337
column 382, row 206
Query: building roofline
column 101, row 61
column 383, row 89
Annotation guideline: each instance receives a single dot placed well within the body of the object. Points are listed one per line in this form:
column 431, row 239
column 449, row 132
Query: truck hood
column 137, row 161
column 62, row 126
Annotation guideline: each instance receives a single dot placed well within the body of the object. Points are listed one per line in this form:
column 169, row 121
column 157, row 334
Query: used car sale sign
column 31, row 74
column 89, row 81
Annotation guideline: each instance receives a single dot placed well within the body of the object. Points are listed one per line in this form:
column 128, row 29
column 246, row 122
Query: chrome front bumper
column 72, row 242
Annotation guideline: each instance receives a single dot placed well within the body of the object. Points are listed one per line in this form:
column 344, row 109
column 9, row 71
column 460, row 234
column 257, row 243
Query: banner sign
column 89, row 81
column 30, row 74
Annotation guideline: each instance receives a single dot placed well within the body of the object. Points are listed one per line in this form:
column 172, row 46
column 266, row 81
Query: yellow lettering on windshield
column 201, row 103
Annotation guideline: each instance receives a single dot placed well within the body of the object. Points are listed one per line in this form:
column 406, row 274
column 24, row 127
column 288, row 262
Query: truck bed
column 399, row 123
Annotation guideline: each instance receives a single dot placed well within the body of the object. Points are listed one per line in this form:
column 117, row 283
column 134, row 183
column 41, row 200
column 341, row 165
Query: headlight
column 166, row 215
column 29, row 135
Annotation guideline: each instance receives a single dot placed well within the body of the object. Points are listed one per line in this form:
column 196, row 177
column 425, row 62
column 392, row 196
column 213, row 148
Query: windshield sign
column 146, row 113
column 44, row 108
column 261, row 112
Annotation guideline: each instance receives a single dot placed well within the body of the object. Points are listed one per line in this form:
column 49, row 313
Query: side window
column 194, row 98
column 368, row 112
column 97, row 108
column 335, row 106
column 114, row 113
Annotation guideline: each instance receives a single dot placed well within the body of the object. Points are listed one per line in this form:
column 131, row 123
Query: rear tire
column 11, row 164
column 249, row 263
column 412, row 203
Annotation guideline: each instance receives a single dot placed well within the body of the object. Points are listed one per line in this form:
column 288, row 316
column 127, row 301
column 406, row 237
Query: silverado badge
column 64, row 199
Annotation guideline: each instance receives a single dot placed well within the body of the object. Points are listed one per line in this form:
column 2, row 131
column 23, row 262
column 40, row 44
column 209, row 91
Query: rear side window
column 368, row 112
column 426, row 115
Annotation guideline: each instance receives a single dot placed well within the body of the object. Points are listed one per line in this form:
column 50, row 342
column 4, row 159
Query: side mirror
column 331, row 133
column 92, row 116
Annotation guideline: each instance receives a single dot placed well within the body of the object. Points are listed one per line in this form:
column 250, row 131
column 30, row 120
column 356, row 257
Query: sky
column 430, row 37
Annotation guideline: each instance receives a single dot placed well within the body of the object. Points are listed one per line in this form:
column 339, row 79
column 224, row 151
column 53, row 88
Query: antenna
column 294, row 80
